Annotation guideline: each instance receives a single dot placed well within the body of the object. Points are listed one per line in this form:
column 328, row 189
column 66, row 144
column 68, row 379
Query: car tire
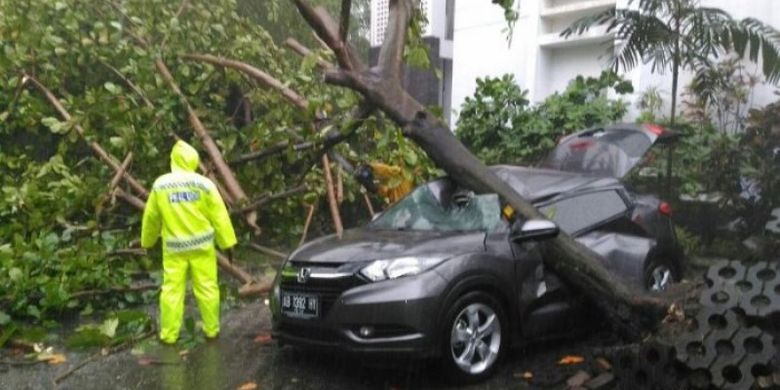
column 474, row 337
column 659, row 274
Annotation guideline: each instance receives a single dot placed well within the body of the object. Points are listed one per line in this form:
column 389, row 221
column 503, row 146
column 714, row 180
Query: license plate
column 300, row 305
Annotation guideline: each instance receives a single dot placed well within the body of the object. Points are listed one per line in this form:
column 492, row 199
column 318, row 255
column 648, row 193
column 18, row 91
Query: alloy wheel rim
column 475, row 338
column 660, row 278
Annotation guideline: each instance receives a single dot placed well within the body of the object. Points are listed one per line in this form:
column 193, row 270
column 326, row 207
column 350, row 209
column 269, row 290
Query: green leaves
column 500, row 126
column 55, row 125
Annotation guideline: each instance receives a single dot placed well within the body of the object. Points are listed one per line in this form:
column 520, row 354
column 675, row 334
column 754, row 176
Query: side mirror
column 533, row 229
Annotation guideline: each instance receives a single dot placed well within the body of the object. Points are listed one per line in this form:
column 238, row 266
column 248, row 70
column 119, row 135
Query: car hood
column 369, row 244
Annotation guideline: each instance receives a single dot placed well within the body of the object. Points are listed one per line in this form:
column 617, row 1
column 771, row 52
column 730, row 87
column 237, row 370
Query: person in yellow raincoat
column 186, row 209
column 391, row 182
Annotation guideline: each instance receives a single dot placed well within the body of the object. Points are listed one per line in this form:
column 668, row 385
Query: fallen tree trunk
column 629, row 311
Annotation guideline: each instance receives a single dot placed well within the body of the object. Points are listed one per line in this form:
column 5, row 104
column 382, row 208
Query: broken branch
column 327, row 30
column 255, row 204
column 268, row 251
column 102, row 154
column 309, row 215
column 304, row 52
column 140, row 287
column 334, row 206
column 256, row 74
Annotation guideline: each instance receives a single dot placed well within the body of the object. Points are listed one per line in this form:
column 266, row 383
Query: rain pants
column 186, row 209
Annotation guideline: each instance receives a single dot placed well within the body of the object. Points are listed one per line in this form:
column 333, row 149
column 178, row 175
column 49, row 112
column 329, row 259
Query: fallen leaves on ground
column 527, row 375
column 604, row 364
column 248, row 386
column 571, row 359
column 146, row 361
column 263, row 338
column 51, row 358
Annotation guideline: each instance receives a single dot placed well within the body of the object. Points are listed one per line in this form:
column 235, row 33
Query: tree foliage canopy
column 60, row 225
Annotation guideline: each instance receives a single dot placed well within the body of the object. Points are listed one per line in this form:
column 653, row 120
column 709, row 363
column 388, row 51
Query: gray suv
column 449, row 273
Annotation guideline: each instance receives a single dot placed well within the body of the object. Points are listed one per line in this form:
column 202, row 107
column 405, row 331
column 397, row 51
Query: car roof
column 537, row 184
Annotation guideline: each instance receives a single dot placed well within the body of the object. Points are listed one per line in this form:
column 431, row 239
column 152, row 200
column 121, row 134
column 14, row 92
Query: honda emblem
column 303, row 275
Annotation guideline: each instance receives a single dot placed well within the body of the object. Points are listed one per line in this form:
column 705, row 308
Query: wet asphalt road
column 239, row 357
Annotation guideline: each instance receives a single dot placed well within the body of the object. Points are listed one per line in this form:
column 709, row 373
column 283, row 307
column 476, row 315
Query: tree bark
column 630, row 311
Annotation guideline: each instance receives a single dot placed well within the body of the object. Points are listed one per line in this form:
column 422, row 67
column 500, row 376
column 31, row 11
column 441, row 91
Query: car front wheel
column 474, row 337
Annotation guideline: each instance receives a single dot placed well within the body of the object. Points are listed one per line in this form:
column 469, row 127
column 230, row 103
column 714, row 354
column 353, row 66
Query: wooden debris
column 106, row 352
column 570, row 360
column 304, row 52
column 334, row 206
column 578, row 379
column 267, row 251
column 248, row 386
column 309, row 215
column 600, row 381
column 256, row 288
column 603, row 364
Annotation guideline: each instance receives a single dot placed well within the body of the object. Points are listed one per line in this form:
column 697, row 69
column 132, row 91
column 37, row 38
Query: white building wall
column 543, row 63
column 480, row 47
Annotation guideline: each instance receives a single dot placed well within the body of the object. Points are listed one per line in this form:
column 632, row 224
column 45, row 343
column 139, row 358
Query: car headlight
column 396, row 268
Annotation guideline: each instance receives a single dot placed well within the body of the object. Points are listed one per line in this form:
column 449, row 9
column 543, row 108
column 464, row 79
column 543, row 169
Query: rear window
column 599, row 152
column 576, row 214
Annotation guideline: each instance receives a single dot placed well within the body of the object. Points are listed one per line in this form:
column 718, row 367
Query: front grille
column 328, row 290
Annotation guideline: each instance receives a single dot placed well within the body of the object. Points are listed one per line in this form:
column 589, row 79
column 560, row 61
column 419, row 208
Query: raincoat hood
column 184, row 157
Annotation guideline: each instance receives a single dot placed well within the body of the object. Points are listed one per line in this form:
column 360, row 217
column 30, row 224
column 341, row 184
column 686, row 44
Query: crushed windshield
column 421, row 210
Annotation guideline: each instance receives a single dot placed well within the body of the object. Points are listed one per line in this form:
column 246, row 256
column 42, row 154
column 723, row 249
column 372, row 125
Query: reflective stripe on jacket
column 186, row 209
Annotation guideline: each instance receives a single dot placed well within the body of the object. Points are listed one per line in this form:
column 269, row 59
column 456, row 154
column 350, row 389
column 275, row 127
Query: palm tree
column 680, row 35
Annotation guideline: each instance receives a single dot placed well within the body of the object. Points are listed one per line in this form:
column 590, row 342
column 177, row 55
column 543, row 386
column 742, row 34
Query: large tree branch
column 392, row 52
column 303, row 51
column 346, row 7
column 262, row 77
column 327, row 29
column 265, row 199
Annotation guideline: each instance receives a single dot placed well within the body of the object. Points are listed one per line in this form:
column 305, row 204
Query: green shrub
column 499, row 124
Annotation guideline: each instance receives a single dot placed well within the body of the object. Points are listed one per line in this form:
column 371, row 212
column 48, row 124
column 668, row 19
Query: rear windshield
column 605, row 153
column 421, row 210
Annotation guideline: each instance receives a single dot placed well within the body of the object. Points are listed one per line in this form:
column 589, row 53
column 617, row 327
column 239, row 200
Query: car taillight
column 665, row 209
column 655, row 129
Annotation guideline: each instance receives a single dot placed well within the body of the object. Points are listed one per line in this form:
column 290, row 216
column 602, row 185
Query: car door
column 593, row 219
